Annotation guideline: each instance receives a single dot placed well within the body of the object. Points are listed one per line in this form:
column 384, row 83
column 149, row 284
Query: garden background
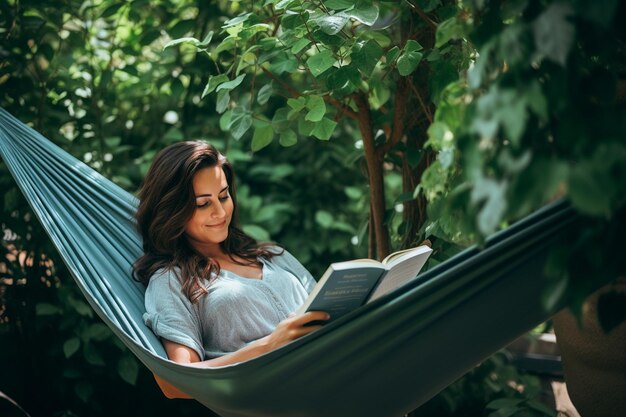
column 356, row 128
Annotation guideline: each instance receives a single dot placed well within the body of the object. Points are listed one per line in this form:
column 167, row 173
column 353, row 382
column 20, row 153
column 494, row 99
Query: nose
column 218, row 211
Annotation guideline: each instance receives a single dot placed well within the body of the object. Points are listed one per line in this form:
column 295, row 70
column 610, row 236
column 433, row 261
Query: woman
column 214, row 295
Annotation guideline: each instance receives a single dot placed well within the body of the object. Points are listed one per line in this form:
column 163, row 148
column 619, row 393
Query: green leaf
column 250, row 31
column 324, row 129
column 408, row 62
column 366, row 56
column 225, row 120
column 320, row 62
column 440, row 136
column 193, row 41
column 353, row 192
column 514, row 119
column 84, row 391
column 344, row 78
column 288, row 138
column 128, row 369
column 97, row 332
column 257, row 232
column 230, row 85
column 265, row 93
column 297, row 104
column 287, row 64
column 112, row 9
column 214, row 81
column 236, row 20
column 554, row 32
column 324, row 219
column 46, row 309
column 305, row 127
column 113, row 141
column 317, row 108
column 332, row 24
column 300, row 45
column 448, row 30
column 284, row 4
column 412, row 46
column 71, row 346
column 228, row 44
column 339, row 4
column 262, row 137
column 501, row 107
column 280, row 121
column 234, row 31
column 364, row 13
column 537, row 101
column 207, row 39
column 240, row 122
column 490, row 196
column 392, row 54
column 80, row 307
column 223, row 99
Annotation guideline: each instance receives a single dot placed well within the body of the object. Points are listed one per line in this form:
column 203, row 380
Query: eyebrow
column 210, row 195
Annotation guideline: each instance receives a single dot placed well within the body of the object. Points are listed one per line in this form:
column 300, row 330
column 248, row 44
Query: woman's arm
column 287, row 331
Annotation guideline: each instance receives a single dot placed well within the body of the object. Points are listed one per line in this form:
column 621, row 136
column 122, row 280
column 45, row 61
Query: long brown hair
column 167, row 202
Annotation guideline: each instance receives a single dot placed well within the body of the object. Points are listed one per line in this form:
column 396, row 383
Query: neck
column 210, row 250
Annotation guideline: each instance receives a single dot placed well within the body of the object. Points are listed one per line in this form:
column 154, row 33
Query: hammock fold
column 384, row 359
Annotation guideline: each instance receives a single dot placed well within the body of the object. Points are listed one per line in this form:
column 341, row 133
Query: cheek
column 193, row 222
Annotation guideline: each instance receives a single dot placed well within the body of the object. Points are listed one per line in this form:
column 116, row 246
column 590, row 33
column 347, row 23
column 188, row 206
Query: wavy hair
column 167, row 202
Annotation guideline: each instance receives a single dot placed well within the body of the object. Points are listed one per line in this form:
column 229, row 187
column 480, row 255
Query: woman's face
column 208, row 226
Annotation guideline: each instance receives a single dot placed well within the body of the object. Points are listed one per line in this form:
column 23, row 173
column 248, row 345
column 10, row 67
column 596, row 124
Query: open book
column 348, row 285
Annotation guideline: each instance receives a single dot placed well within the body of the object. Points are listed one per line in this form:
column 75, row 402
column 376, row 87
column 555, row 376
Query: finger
column 303, row 331
column 309, row 317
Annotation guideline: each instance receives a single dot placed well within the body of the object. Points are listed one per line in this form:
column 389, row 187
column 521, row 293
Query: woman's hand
column 293, row 328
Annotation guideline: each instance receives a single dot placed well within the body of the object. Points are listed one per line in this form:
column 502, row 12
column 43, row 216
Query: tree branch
column 425, row 109
column 375, row 176
column 294, row 93
column 397, row 130
column 341, row 107
column 421, row 13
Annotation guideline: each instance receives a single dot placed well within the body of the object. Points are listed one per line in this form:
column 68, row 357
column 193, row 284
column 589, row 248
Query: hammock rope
column 413, row 342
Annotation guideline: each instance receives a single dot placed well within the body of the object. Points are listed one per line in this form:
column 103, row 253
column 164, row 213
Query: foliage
column 540, row 114
column 289, row 71
column 494, row 389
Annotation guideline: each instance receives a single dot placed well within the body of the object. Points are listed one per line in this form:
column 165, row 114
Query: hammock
column 384, row 359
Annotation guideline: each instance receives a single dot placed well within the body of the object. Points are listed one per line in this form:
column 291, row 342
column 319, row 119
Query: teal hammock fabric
column 384, row 359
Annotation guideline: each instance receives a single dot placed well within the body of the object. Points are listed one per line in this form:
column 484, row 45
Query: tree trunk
column 375, row 177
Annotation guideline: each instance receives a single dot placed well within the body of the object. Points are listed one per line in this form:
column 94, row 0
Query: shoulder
column 281, row 256
column 165, row 279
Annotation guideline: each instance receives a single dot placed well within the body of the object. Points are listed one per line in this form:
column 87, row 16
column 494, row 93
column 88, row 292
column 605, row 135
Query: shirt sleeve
column 170, row 314
column 291, row 264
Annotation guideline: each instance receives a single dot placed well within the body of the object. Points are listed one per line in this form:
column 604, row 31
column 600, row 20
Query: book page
column 403, row 269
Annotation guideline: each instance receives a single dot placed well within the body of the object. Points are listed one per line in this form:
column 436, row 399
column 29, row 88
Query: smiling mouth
column 217, row 226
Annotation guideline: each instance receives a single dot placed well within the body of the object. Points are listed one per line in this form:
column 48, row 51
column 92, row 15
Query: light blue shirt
column 236, row 310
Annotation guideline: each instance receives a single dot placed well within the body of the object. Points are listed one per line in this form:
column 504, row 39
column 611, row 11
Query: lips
column 217, row 226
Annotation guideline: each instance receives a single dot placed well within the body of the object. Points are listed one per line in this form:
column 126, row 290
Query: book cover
column 346, row 286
